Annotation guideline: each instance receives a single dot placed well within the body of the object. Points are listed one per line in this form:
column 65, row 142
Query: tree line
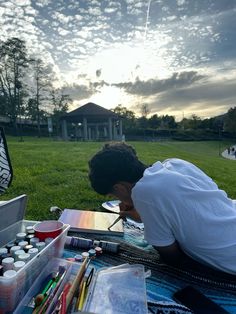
column 27, row 87
column 133, row 124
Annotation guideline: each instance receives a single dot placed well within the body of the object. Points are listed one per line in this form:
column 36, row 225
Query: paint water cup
column 48, row 229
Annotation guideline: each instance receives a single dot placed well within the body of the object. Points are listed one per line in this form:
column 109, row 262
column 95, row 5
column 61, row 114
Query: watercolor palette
column 91, row 221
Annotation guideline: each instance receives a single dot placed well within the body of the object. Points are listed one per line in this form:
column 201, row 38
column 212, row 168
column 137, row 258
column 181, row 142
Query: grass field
column 55, row 173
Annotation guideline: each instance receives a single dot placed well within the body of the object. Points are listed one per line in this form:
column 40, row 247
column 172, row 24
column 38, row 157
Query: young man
column 184, row 213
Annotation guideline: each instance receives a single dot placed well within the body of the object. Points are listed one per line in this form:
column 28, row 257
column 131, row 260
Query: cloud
column 172, row 58
column 155, row 86
column 78, row 92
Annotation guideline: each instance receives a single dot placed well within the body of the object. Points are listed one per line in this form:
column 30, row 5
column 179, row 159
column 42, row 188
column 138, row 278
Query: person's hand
column 129, row 211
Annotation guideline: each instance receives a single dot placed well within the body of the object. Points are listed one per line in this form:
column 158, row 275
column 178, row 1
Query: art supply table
column 164, row 280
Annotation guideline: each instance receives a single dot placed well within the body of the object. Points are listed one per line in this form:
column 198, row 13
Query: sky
column 178, row 57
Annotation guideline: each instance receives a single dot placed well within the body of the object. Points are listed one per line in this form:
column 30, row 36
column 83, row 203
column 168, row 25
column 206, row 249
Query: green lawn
column 55, row 173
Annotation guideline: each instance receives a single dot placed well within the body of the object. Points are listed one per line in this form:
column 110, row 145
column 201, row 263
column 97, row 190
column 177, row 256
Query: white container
column 12, row 290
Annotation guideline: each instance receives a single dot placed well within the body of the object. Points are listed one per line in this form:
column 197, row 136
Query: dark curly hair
column 114, row 163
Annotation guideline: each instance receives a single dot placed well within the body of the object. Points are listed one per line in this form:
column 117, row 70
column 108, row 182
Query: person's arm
column 174, row 256
column 129, row 211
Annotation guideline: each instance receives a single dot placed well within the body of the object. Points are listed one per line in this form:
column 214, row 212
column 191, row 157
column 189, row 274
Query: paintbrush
column 76, row 281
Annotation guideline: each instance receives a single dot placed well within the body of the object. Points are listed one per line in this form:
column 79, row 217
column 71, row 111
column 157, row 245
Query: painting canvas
column 91, row 221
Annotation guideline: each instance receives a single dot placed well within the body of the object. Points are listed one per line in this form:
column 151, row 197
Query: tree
column 144, row 110
column 60, row 102
column 127, row 116
column 154, row 121
column 230, row 121
column 32, row 112
column 13, row 63
column 42, row 78
column 168, row 122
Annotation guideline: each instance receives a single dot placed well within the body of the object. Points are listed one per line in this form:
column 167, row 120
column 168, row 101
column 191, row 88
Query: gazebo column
column 97, row 132
column 89, row 134
column 105, row 131
column 120, row 129
column 85, row 129
column 114, row 131
column 110, row 128
column 64, row 130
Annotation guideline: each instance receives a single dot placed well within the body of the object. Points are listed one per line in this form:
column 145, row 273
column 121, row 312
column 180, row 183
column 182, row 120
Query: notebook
column 91, row 221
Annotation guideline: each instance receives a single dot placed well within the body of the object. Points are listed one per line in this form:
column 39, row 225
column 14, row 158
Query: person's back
column 178, row 202
column 183, row 211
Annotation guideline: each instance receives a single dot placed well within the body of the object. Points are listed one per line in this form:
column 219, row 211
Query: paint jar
column 48, row 240
column 8, row 263
column 9, row 273
column 18, row 265
column 30, row 229
column 40, row 245
column 81, row 243
column 33, row 241
column 3, row 255
column 28, row 247
column 92, row 253
column 29, row 237
column 24, row 257
column 17, row 253
column 23, row 244
column 78, row 258
column 21, row 236
column 9, row 246
column 84, row 255
column 109, row 246
column 3, row 250
column 98, row 250
column 14, row 249
column 33, row 252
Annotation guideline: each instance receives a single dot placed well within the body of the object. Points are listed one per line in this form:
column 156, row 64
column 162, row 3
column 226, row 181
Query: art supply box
column 12, row 290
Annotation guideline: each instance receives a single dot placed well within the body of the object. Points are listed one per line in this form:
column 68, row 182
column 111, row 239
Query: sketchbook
column 91, row 221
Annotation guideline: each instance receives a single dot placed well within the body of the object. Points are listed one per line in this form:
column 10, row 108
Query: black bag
column 6, row 173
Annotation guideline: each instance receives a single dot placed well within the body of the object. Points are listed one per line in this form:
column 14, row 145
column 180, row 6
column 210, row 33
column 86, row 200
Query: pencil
column 82, row 296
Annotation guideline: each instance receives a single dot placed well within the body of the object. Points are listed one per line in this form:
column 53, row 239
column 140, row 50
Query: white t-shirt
column 177, row 201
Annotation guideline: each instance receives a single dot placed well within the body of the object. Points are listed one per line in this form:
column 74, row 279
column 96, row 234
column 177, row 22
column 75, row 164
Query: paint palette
column 112, row 206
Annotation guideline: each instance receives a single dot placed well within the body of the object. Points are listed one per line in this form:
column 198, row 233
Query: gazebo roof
column 91, row 111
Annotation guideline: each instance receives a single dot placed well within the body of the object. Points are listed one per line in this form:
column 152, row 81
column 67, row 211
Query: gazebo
column 92, row 122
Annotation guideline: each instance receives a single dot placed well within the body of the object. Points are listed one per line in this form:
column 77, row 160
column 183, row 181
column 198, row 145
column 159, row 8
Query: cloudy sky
column 176, row 56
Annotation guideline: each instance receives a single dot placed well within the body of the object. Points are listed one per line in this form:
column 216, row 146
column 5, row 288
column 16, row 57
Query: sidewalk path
column 229, row 156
